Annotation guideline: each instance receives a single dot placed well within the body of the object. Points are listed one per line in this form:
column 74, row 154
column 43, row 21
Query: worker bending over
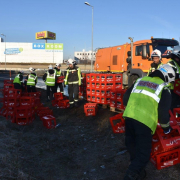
column 73, row 80
column 18, row 80
column 156, row 58
column 58, row 74
column 174, row 62
column 31, row 80
column 50, row 78
column 147, row 101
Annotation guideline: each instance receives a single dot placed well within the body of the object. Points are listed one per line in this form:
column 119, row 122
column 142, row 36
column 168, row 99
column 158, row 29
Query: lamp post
column 5, row 48
column 92, row 35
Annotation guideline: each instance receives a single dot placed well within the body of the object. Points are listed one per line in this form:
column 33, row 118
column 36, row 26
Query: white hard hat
column 31, row 69
column 176, row 51
column 58, row 65
column 21, row 71
column 71, row 61
column 156, row 53
column 168, row 72
column 50, row 67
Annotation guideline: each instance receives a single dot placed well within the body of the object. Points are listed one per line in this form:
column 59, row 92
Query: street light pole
column 5, row 49
column 92, row 34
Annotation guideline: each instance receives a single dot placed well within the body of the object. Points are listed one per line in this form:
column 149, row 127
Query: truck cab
column 132, row 59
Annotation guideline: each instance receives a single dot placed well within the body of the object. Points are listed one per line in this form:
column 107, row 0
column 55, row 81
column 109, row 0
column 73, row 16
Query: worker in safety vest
column 174, row 62
column 146, row 101
column 18, row 80
column 31, row 80
column 156, row 58
column 58, row 74
column 73, row 80
column 50, row 78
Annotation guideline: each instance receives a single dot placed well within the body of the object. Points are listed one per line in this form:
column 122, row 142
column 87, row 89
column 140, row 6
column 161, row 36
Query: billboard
column 48, row 46
column 45, row 35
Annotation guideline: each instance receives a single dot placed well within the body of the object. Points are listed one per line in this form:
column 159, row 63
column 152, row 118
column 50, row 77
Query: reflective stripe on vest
column 150, row 94
column 143, row 101
column 50, row 80
column 31, row 80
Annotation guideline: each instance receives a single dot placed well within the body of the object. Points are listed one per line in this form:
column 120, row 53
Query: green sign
column 53, row 46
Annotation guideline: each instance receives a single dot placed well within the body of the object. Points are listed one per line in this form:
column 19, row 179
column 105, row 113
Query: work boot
column 130, row 175
column 76, row 104
column 71, row 106
column 142, row 175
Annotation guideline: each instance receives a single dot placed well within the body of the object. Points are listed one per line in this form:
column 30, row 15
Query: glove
column 167, row 130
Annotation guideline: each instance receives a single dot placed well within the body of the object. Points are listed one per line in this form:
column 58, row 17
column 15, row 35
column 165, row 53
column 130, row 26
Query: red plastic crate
column 166, row 159
column 88, row 91
column 87, row 78
column 92, row 77
column 49, row 121
column 118, row 77
column 98, row 79
column 108, row 94
column 63, row 103
column 103, row 93
column 103, row 100
column 98, row 99
column 60, row 79
column 90, row 109
column 98, row 85
column 93, row 85
column 103, row 85
column 98, row 92
column 113, row 103
column 41, row 108
column 27, row 101
column 89, row 98
column 58, row 96
column 93, row 92
column 112, row 95
column 110, row 86
column 108, row 100
column 118, row 123
column 118, row 86
column 8, row 86
column 88, row 84
column 177, row 87
column 11, row 114
column 93, row 98
column 103, row 78
column 7, row 81
column 110, row 78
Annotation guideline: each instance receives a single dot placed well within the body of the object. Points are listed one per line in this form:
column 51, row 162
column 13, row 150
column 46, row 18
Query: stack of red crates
column 60, row 100
column 82, row 88
column 100, row 85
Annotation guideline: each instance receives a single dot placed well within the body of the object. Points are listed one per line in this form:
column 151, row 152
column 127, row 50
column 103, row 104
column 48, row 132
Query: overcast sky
column 71, row 20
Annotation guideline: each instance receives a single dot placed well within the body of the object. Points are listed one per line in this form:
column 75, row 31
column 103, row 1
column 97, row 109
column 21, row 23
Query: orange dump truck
column 132, row 59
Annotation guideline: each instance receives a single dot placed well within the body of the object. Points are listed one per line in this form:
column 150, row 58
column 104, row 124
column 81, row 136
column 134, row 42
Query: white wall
column 29, row 55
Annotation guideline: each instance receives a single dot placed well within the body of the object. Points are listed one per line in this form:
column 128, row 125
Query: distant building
column 18, row 52
column 84, row 55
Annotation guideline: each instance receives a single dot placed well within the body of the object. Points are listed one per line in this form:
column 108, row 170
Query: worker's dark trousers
column 52, row 88
column 175, row 100
column 60, row 85
column 18, row 86
column 31, row 88
column 73, row 89
column 138, row 140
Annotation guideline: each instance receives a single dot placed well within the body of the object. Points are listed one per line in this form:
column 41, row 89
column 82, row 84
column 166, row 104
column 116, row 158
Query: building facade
column 15, row 52
column 84, row 55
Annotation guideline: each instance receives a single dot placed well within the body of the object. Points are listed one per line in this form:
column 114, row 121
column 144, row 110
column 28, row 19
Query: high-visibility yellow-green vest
column 17, row 79
column 143, row 101
column 31, row 80
column 150, row 70
column 50, row 79
column 78, row 74
column 58, row 73
column 171, row 85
